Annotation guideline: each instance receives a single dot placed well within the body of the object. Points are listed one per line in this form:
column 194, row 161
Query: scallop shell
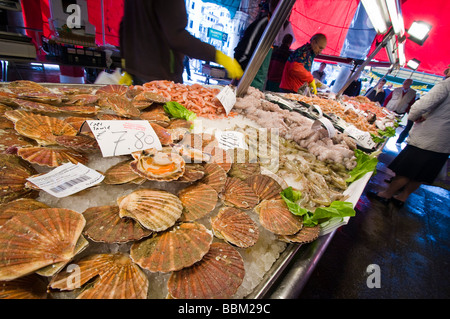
column 20, row 205
column 157, row 115
column 38, row 107
column 112, row 89
column 82, row 143
column 8, row 98
column 304, row 236
column 14, row 172
column 215, row 176
column 164, row 135
column 174, row 249
column 198, row 200
column 158, row 165
column 115, row 277
column 28, row 287
column 152, row 97
column 51, row 157
column 43, row 129
column 275, row 216
column 20, row 86
column 121, row 173
column 10, row 138
column 264, row 186
column 43, row 97
column 192, row 172
column 204, row 142
column 33, row 240
column 6, row 124
column 81, row 99
column 76, row 121
column 217, row 276
column 122, row 106
column 244, row 165
column 51, row 270
column 103, row 224
column 154, row 209
column 15, row 115
column 237, row 193
column 179, row 123
column 235, row 227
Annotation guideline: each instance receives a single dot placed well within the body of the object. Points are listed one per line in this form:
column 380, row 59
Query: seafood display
column 190, row 220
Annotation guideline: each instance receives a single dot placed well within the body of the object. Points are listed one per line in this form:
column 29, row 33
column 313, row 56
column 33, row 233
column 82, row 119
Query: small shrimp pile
column 348, row 114
column 366, row 105
column 195, row 97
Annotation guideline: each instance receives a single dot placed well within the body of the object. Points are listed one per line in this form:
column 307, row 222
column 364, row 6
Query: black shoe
column 397, row 202
column 375, row 195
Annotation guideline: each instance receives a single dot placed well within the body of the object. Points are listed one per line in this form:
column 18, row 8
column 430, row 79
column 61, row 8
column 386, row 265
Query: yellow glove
column 312, row 86
column 126, row 79
column 230, row 64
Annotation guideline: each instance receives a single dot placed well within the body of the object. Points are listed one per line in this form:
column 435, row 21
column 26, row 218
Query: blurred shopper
column 320, row 74
column 244, row 50
column 354, row 88
column 377, row 93
column 401, row 99
column 297, row 70
column 428, row 146
column 277, row 62
column 154, row 41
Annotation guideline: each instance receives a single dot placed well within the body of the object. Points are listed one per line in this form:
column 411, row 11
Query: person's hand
column 230, row 64
column 312, row 86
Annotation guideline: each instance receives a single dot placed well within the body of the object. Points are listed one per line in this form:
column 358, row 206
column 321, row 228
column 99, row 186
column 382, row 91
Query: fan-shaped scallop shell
column 164, row 135
column 244, row 165
column 215, row 176
column 112, row 89
column 237, row 193
column 275, row 216
column 264, row 186
column 82, row 143
column 43, row 129
column 217, row 276
column 81, row 99
column 122, row 106
column 82, row 110
column 174, row 249
column 121, row 173
column 235, row 227
column 158, row 165
column 33, row 240
column 76, row 121
column 15, row 115
column 111, row 117
column 20, row 205
column 304, row 236
column 27, row 287
column 115, row 277
column 204, row 141
column 51, row 157
column 14, row 172
column 43, row 97
column 10, row 138
column 154, row 209
column 38, row 107
column 198, row 200
column 179, row 123
column 103, row 224
column 20, row 86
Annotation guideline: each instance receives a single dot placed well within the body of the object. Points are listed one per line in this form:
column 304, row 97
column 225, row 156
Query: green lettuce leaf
column 291, row 197
column 177, row 110
column 322, row 214
column 365, row 163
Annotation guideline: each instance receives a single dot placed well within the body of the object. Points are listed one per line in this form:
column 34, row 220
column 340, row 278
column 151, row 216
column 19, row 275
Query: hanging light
column 393, row 7
column 418, row 32
column 376, row 10
column 413, row 64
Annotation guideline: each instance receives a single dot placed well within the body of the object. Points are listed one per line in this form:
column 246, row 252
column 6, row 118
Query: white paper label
column 124, row 137
column 230, row 139
column 228, row 98
column 362, row 138
column 67, row 179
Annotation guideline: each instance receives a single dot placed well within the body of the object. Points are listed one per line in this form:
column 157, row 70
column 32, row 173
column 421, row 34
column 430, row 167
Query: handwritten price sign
column 123, row 137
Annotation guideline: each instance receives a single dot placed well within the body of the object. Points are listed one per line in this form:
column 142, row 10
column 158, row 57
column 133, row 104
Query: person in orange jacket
column 297, row 69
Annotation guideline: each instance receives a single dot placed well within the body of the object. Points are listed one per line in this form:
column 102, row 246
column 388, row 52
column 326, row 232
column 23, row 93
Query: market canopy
column 331, row 17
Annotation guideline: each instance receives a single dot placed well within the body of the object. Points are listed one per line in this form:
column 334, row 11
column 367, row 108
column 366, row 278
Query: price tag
column 362, row 138
column 230, row 139
column 227, row 98
column 124, row 137
column 67, row 179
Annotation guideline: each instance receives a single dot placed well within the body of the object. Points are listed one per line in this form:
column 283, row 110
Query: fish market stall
column 156, row 184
